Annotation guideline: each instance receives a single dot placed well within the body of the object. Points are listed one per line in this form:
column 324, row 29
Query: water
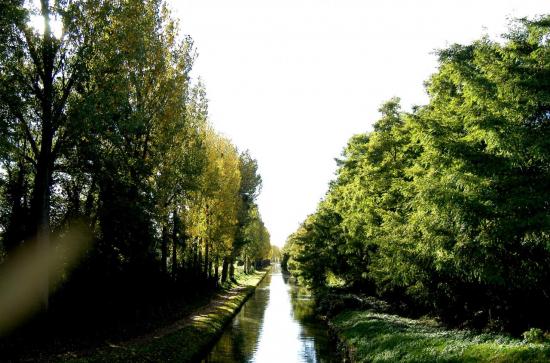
column 277, row 324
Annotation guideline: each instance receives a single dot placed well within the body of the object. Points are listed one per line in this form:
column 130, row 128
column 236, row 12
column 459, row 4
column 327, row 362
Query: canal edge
column 188, row 343
column 248, row 292
column 345, row 349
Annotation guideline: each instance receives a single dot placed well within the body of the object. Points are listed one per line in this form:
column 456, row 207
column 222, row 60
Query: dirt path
column 127, row 347
column 209, row 308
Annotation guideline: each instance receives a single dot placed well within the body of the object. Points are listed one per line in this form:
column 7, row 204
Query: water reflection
column 277, row 324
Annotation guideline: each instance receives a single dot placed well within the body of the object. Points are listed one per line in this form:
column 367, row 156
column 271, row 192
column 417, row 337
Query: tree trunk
column 89, row 206
column 216, row 271
column 210, row 268
column 40, row 202
column 183, row 244
column 175, row 231
column 225, row 265
column 195, row 256
column 174, row 259
column 232, row 266
column 206, row 242
column 74, row 210
column 199, row 260
column 164, row 249
column 206, row 269
column 15, row 231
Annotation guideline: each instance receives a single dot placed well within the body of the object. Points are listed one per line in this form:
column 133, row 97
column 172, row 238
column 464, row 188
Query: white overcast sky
column 292, row 80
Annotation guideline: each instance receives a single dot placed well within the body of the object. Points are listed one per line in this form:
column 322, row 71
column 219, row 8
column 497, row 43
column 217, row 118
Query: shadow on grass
column 188, row 342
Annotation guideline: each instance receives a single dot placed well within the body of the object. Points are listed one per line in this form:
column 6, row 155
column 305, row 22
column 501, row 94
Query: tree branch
column 58, row 109
column 26, row 129
column 32, row 51
column 35, row 88
column 30, row 160
column 57, row 146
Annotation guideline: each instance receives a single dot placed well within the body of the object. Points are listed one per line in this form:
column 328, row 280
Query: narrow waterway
column 277, row 324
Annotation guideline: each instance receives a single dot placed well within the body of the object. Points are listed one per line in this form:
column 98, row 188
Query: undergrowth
column 376, row 337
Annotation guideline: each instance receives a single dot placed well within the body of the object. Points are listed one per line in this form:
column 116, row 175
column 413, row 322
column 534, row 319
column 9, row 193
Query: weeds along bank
column 368, row 331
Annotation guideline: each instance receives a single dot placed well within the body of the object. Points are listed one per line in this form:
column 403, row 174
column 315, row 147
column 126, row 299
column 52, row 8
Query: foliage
column 445, row 208
column 102, row 125
column 374, row 337
column 534, row 335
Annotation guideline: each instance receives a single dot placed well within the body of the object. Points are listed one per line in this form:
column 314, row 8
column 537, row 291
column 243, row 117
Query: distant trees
column 275, row 254
column 102, row 124
column 447, row 207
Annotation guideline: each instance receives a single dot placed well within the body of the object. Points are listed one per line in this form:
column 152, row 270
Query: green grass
column 374, row 337
column 185, row 344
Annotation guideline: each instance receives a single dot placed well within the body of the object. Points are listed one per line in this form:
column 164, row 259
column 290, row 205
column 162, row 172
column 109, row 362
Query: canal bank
column 371, row 336
column 183, row 341
column 277, row 324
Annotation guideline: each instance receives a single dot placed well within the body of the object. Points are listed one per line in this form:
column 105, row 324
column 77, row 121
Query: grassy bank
column 374, row 337
column 183, row 341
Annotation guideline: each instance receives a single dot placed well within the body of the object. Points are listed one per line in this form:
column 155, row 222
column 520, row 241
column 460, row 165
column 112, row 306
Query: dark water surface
column 277, row 324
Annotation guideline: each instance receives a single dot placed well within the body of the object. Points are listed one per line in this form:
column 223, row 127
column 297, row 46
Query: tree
column 446, row 207
column 482, row 199
column 250, row 187
column 101, row 125
column 41, row 72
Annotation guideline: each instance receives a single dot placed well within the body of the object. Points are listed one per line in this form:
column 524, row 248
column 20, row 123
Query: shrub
column 534, row 335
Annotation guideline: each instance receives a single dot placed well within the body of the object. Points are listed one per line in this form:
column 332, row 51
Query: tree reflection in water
column 277, row 324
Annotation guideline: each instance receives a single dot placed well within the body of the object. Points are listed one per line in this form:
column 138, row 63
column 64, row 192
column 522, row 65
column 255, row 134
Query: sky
column 293, row 80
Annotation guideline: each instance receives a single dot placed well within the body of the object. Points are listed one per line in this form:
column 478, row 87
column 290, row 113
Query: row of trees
column 447, row 207
column 102, row 127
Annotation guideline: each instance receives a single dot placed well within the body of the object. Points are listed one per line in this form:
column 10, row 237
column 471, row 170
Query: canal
column 277, row 324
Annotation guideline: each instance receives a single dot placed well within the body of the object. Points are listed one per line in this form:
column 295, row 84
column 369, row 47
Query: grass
column 374, row 337
column 186, row 342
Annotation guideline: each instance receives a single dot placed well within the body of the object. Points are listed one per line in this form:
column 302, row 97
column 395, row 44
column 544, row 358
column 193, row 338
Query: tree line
column 446, row 209
column 103, row 129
